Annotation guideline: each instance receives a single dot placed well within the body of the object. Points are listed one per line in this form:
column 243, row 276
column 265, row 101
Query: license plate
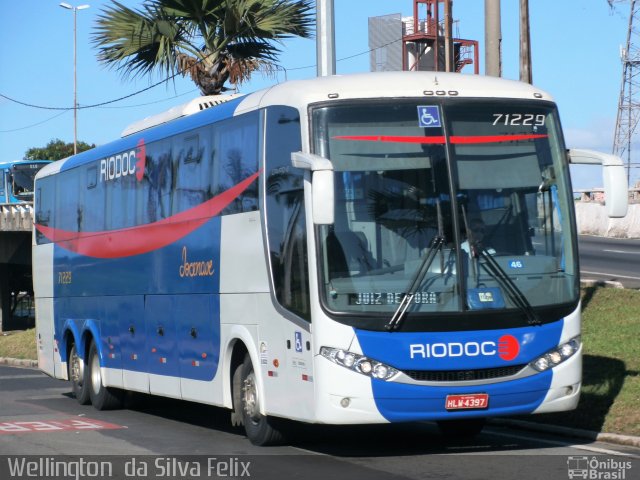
column 467, row 402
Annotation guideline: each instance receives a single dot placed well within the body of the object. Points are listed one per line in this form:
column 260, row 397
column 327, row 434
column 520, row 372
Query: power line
column 101, row 104
column 152, row 103
column 34, row 124
column 108, row 102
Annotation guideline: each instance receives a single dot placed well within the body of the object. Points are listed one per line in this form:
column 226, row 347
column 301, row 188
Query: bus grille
column 463, row 375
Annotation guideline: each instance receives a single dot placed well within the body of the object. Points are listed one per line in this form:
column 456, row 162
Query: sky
column 575, row 56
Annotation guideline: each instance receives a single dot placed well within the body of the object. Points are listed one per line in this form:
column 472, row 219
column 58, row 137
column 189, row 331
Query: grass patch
column 19, row 344
column 611, row 369
column 611, row 366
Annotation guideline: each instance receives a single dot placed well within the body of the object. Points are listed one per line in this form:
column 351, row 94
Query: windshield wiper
column 515, row 294
column 398, row 316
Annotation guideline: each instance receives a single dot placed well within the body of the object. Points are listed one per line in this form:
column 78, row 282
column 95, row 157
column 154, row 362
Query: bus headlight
column 557, row 355
column 359, row 363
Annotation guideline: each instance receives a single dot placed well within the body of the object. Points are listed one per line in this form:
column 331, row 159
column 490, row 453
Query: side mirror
column 322, row 192
column 322, row 197
column 613, row 177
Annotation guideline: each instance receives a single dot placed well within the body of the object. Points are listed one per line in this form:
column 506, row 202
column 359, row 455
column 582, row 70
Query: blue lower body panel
column 399, row 402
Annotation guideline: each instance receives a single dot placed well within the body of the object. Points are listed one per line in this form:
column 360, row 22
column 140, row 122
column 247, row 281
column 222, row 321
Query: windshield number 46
column 519, row 119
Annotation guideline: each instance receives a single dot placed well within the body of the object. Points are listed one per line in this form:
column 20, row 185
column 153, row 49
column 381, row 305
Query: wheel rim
column 251, row 401
column 96, row 376
column 77, row 367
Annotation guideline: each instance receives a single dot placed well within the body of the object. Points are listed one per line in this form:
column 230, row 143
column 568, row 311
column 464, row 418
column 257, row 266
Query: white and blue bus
column 357, row 249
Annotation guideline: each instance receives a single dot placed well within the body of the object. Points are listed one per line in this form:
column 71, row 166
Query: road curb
column 615, row 438
column 592, row 282
column 18, row 362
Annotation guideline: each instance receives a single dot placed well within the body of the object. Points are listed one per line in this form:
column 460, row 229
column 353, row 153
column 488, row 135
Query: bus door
column 286, row 222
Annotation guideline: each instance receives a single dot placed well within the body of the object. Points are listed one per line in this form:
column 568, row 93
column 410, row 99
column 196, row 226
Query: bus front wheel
column 78, row 376
column 259, row 428
column 102, row 398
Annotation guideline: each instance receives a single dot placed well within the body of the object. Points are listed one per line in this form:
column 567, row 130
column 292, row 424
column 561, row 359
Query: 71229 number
column 519, row 119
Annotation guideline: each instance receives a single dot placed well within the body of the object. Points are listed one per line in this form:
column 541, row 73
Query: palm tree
column 214, row 41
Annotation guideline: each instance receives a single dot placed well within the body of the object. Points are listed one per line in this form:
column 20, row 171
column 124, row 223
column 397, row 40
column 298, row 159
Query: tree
column 55, row 150
column 214, row 41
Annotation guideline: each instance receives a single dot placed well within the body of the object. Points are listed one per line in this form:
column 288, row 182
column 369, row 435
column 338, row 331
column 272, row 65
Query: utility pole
column 325, row 38
column 629, row 100
column 492, row 38
column 75, row 76
column 448, row 37
column 525, row 43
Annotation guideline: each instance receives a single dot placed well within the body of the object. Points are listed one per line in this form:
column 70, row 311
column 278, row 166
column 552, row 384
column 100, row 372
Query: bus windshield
column 475, row 193
column 23, row 175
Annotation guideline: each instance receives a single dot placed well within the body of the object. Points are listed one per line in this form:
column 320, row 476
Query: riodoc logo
column 124, row 164
column 507, row 348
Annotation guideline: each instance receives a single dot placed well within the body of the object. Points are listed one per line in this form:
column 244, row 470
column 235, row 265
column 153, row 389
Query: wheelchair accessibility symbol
column 429, row 116
column 298, row 342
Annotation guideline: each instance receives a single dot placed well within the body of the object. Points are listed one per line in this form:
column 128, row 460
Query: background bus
column 16, row 180
column 314, row 252
column 16, row 214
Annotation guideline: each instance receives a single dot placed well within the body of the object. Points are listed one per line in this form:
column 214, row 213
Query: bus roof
column 10, row 163
column 300, row 93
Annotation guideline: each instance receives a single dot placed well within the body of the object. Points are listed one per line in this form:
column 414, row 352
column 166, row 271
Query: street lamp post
column 75, row 77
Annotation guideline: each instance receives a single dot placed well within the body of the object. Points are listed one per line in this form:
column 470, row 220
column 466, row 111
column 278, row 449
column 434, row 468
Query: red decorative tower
column 428, row 42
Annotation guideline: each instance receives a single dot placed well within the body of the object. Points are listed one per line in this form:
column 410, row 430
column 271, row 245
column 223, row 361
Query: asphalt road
column 610, row 259
column 156, row 437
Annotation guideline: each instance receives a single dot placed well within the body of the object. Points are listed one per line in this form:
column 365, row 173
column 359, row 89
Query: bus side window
column 285, row 212
column 190, row 175
column 236, row 152
column 44, row 202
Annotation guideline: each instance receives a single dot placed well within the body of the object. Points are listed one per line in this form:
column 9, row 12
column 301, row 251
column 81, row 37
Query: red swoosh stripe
column 141, row 239
column 440, row 140
column 495, row 138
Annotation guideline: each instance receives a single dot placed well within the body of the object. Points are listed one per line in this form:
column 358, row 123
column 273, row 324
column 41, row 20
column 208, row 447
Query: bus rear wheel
column 259, row 428
column 78, row 376
column 465, row 428
column 102, row 398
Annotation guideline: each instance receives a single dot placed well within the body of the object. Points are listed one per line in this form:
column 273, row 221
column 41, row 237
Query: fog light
column 345, row 402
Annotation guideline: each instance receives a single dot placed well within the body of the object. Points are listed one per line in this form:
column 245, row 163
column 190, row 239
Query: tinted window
column 285, row 212
column 236, row 153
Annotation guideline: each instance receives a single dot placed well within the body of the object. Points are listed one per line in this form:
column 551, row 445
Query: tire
column 237, row 419
column 466, row 428
column 259, row 428
column 102, row 398
column 78, row 376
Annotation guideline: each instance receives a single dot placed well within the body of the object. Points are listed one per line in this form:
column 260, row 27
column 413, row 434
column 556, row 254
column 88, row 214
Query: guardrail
column 16, row 217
